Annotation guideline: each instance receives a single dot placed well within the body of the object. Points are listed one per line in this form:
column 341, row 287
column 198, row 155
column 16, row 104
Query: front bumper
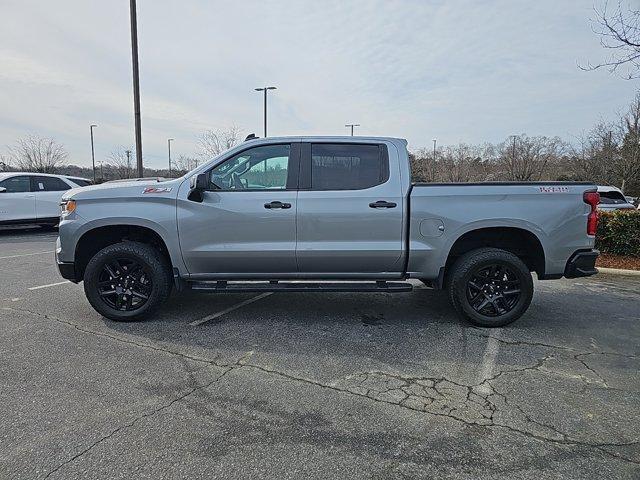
column 66, row 269
column 582, row 264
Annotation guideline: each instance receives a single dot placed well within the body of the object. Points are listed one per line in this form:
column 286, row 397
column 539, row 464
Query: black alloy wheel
column 125, row 284
column 493, row 290
column 128, row 281
column 490, row 287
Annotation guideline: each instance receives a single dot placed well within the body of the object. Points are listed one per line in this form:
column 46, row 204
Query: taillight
column 592, row 199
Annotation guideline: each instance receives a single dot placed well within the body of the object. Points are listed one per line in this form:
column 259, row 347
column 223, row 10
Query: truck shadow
column 288, row 322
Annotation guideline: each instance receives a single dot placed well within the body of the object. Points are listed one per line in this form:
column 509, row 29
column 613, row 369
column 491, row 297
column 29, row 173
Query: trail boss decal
column 157, row 190
column 554, row 189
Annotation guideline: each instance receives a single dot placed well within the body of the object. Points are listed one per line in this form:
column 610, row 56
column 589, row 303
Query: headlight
column 67, row 207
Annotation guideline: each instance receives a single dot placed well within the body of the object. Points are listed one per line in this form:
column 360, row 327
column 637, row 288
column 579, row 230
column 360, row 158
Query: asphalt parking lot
column 314, row 385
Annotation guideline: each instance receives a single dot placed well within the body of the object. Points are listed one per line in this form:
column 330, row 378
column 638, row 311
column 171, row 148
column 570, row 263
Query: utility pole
column 169, row 145
column 128, row 152
column 434, row 148
column 264, row 89
column 101, row 171
column 136, row 85
column 352, row 125
column 513, row 148
column 93, row 156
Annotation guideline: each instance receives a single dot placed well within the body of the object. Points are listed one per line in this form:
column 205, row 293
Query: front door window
column 260, row 168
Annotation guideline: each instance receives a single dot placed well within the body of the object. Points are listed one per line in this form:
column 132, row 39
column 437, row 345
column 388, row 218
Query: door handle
column 382, row 204
column 277, row 204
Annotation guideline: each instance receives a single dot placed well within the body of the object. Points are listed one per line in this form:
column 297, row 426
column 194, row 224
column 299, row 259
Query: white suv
column 34, row 197
column 612, row 198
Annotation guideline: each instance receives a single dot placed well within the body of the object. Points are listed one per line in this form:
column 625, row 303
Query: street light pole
column 169, row 145
column 513, row 148
column 128, row 152
column 136, row 85
column 93, row 156
column 264, row 89
column 352, row 125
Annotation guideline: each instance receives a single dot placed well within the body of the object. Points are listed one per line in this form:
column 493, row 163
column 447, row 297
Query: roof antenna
column 251, row 136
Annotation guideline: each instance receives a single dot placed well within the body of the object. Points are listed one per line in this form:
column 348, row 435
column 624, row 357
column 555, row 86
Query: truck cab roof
column 327, row 138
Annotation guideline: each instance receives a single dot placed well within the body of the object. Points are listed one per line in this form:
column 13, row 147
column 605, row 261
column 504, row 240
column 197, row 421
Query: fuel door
column 431, row 227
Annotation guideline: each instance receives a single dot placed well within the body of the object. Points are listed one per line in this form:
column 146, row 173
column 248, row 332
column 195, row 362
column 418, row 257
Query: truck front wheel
column 127, row 281
column 490, row 287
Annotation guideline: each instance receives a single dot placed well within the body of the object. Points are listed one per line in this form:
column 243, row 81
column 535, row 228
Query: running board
column 276, row 286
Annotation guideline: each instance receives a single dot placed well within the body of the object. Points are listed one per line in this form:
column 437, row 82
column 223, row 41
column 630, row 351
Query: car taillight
column 592, row 199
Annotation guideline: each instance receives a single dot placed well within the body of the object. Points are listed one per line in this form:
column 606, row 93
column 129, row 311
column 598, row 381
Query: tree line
column 608, row 154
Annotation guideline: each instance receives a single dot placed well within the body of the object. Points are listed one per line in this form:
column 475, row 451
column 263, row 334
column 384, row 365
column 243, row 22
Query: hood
column 124, row 189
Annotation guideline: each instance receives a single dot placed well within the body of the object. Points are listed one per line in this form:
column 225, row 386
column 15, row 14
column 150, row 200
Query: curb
column 618, row 271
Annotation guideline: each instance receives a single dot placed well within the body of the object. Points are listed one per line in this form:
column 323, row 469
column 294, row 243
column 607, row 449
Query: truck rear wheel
column 127, row 281
column 490, row 287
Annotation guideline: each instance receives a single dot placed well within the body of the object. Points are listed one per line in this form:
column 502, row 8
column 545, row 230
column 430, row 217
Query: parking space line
column 50, row 252
column 213, row 316
column 48, row 285
column 489, row 360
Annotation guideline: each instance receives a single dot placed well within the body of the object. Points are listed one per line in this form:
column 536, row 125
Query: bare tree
column 37, row 154
column 626, row 161
column 213, row 142
column 590, row 159
column 526, row 158
column 4, row 163
column 186, row 163
column 121, row 163
column 619, row 31
column 424, row 167
column 462, row 163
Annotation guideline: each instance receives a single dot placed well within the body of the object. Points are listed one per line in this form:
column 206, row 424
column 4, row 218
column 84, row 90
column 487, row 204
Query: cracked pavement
column 315, row 385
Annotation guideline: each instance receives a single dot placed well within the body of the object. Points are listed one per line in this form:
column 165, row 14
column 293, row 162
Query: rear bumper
column 582, row 264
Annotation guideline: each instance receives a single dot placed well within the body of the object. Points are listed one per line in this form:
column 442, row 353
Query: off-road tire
column 464, row 268
column 154, row 263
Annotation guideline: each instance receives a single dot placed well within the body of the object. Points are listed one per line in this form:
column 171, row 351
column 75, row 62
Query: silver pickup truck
column 324, row 214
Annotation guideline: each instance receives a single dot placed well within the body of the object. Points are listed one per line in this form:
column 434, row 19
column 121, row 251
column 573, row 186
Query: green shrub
column 619, row 232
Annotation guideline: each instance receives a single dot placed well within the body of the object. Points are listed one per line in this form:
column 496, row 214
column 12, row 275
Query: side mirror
column 3, row 190
column 200, row 182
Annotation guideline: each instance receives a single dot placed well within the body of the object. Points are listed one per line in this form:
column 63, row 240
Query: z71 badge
column 157, row 190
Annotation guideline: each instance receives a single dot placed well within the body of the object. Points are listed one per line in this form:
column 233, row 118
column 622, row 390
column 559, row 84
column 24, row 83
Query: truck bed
column 442, row 213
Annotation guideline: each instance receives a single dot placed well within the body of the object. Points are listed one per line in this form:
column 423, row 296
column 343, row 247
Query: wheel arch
column 98, row 237
column 522, row 242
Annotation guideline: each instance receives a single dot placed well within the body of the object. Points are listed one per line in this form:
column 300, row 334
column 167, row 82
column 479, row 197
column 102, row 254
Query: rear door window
column 16, row 184
column 48, row 184
column 342, row 166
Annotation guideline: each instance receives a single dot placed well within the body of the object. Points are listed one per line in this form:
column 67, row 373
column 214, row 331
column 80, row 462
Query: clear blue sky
column 458, row 71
